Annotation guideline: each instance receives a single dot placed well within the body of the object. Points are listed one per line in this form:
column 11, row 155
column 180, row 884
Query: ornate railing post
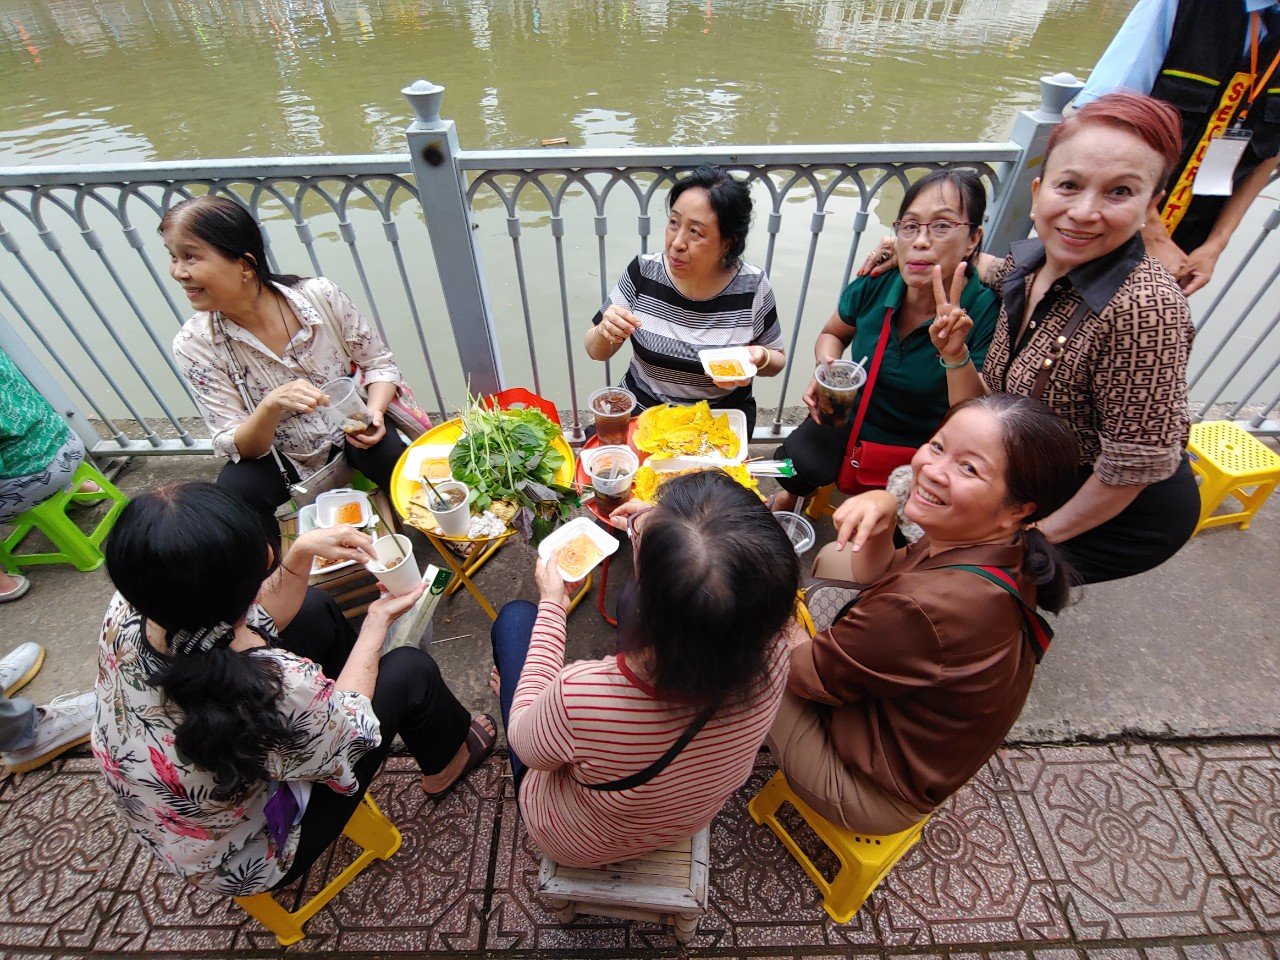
column 433, row 150
column 1011, row 218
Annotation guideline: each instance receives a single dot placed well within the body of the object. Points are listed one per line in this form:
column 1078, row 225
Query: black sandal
column 480, row 744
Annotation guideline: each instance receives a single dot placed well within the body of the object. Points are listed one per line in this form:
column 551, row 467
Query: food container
column 430, row 460
column 395, row 568
column 737, row 423
column 343, row 506
column 799, row 530
column 578, row 533
column 714, row 360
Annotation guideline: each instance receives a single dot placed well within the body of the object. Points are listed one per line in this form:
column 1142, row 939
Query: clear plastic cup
column 455, row 517
column 395, row 568
column 612, row 407
column 799, row 530
column 838, row 385
column 346, row 410
column 613, row 472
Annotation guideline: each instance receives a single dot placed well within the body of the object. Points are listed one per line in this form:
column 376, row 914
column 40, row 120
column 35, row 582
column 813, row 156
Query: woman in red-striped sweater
column 616, row 757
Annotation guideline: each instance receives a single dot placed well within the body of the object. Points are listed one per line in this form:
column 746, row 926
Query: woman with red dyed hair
column 1099, row 331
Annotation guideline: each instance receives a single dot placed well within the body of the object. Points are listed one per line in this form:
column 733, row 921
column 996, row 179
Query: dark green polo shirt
column 910, row 394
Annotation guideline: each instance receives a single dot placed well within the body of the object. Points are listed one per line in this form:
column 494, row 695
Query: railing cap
column 1057, row 90
column 425, row 96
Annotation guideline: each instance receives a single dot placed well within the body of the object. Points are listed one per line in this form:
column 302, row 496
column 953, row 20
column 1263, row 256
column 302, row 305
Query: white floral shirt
column 165, row 798
column 208, row 362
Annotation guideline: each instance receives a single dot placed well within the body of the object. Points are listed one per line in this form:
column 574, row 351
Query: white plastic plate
column 578, row 525
column 741, row 354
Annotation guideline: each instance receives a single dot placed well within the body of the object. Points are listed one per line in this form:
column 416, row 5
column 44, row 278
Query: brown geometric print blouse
column 1122, row 380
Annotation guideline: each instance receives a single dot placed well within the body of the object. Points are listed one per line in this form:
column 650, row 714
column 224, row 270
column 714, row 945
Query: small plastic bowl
column 329, row 504
column 739, row 354
column 799, row 530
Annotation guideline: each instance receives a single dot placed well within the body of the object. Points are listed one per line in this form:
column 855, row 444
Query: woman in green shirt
column 938, row 228
column 38, row 455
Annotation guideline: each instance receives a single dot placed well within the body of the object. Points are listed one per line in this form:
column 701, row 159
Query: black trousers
column 259, row 481
column 410, row 698
column 815, row 452
column 1144, row 535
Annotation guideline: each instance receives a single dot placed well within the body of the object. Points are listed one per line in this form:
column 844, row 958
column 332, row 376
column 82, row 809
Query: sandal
column 479, row 746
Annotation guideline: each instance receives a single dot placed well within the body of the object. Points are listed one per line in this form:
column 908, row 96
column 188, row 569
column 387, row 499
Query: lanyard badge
column 1216, row 176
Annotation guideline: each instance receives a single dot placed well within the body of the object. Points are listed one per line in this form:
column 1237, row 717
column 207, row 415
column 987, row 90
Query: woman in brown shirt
column 1101, row 332
column 913, row 687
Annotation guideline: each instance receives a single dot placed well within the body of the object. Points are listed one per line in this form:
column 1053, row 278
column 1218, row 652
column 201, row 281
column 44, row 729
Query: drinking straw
column 439, row 496
column 390, row 532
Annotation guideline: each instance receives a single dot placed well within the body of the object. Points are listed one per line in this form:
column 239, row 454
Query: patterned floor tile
column 428, row 897
column 62, row 857
column 1125, row 857
column 1234, row 791
column 973, row 877
column 760, row 897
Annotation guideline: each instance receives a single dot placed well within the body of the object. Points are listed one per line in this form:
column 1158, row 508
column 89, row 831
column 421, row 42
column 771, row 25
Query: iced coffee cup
column 395, row 568
column 612, row 407
column 612, row 471
column 346, row 410
column 838, row 384
column 447, row 501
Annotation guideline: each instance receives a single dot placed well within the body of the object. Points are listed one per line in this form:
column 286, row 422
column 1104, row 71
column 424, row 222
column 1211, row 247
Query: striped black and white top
column 674, row 328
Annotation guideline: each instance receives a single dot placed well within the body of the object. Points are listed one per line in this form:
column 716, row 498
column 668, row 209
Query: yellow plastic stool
column 1231, row 462
column 864, row 860
column 819, row 504
column 378, row 839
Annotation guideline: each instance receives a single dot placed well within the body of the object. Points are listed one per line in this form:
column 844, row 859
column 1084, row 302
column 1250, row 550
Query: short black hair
column 968, row 186
column 731, row 201
column 717, row 582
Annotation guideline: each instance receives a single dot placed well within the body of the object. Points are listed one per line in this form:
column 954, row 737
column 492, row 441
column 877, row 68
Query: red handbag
column 867, row 464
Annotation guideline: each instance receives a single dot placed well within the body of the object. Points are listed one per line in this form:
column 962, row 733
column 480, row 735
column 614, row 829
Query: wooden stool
column 72, row 545
column 864, row 860
column 378, row 839
column 1230, row 462
column 667, row 886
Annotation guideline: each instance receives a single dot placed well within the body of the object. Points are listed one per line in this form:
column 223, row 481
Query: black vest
column 1205, row 53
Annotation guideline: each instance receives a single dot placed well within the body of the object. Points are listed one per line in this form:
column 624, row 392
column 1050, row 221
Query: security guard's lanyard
column 1216, row 174
column 1259, row 84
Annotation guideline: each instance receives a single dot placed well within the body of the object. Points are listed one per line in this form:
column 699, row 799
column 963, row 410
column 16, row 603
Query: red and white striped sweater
column 595, row 721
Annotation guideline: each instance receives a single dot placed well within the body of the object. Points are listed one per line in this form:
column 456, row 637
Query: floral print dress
column 166, row 799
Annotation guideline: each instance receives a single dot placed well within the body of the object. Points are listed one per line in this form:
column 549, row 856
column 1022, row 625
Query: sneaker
column 19, row 589
column 19, row 666
column 62, row 723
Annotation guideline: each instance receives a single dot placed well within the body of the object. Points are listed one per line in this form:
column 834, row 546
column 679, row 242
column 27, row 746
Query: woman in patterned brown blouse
column 1101, row 333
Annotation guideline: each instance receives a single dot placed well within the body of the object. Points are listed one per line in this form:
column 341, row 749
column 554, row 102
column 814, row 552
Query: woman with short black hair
column 696, row 294
column 613, row 758
column 227, row 747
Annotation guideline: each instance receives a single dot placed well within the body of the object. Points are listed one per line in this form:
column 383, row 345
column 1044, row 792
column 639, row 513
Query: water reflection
column 161, row 79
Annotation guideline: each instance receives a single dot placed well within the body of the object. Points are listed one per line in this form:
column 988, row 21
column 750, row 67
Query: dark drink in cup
column 609, row 503
column 612, row 471
column 838, row 385
column 612, row 408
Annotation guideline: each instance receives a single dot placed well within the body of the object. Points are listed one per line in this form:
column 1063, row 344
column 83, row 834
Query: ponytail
column 222, row 222
column 230, row 717
column 1044, row 565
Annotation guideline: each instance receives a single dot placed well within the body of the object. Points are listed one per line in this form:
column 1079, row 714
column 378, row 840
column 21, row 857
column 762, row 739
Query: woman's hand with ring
column 376, row 430
column 880, row 260
column 951, row 324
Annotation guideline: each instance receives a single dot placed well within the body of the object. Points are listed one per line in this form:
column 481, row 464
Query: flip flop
column 479, row 745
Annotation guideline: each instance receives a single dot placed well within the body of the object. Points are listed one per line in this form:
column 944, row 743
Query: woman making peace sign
column 938, row 228
column 1101, row 332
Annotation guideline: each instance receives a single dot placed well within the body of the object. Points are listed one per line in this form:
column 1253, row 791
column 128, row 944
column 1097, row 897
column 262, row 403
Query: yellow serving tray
column 446, row 434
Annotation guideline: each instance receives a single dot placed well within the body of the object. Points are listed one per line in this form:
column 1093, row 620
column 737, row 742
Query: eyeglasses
column 937, row 229
column 635, row 526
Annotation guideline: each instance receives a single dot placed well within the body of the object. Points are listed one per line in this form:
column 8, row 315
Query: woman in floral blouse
column 227, row 747
column 268, row 330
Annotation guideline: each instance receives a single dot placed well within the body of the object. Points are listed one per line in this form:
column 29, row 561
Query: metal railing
column 523, row 248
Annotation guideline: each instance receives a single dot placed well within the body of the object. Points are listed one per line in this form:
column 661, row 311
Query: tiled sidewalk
column 1146, row 852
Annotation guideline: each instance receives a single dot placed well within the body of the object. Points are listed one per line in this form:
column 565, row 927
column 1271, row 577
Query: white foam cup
column 456, row 521
column 404, row 577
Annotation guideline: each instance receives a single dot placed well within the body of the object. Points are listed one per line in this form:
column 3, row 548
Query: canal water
column 92, row 81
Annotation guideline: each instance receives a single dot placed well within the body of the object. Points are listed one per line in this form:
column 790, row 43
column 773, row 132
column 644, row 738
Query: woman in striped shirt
column 616, row 757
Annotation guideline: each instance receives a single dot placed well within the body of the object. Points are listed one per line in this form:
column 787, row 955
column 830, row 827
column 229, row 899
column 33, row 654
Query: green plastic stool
column 74, row 546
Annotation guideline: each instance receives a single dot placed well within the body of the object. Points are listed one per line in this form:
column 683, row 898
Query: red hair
column 1152, row 121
